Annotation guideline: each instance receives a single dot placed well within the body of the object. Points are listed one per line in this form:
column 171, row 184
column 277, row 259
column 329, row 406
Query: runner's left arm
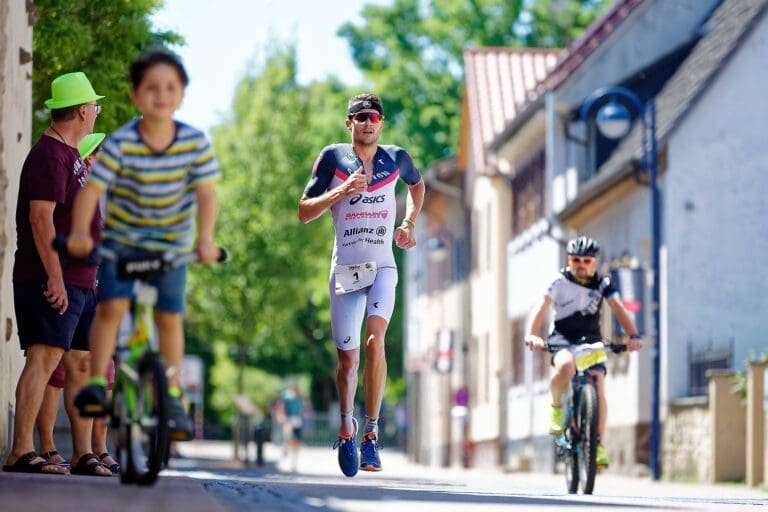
column 404, row 234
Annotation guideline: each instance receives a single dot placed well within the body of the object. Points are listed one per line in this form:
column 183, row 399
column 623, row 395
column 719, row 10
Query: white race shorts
column 347, row 309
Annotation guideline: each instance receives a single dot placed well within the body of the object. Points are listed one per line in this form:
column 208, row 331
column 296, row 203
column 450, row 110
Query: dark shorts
column 170, row 286
column 39, row 323
column 559, row 338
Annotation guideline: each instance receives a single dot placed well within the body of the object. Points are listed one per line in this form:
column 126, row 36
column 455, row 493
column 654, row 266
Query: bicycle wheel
column 148, row 435
column 119, row 428
column 571, row 460
column 587, row 421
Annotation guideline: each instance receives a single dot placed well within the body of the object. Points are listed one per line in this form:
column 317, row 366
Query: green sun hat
column 71, row 89
column 89, row 143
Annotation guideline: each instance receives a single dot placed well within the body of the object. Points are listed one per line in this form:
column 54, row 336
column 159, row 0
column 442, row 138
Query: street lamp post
column 608, row 107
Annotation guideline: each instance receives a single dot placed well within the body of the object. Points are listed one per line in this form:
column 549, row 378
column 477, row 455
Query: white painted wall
column 15, row 124
column 715, row 215
column 487, row 288
column 531, row 266
column 624, row 225
column 533, row 261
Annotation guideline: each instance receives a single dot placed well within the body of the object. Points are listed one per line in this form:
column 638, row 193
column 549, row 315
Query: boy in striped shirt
column 158, row 177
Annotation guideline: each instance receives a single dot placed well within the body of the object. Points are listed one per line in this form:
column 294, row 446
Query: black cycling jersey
column 577, row 306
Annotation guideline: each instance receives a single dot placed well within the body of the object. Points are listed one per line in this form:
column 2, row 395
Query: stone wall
column 686, row 432
column 704, row 438
column 16, row 19
column 628, row 447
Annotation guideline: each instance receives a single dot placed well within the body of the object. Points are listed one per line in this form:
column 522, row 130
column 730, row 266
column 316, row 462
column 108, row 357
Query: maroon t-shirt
column 52, row 171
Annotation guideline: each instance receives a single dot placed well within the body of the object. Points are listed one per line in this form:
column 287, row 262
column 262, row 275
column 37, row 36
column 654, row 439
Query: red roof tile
column 499, row 82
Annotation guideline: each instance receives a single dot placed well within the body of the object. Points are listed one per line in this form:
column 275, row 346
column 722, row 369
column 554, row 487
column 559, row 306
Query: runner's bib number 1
column 354, row 277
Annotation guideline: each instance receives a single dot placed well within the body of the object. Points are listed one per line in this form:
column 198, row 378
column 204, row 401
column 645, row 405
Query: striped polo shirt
column 151, row 199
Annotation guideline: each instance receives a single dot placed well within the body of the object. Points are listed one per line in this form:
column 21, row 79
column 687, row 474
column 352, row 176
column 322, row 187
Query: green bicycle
column 139, row 416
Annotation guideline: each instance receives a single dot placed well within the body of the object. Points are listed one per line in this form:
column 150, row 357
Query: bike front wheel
column 148, row 433
column 587, row 422
column 571, row 461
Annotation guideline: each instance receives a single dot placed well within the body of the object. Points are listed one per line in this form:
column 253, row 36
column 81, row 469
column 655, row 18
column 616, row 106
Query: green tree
column 98, row 38
column 269, row 302
column 412, row 53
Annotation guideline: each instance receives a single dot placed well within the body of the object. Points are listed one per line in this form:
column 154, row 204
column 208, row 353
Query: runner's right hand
column 356, row 183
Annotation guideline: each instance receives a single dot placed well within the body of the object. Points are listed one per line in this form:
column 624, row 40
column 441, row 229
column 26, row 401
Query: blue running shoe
column 348, row 459
column 369, row 453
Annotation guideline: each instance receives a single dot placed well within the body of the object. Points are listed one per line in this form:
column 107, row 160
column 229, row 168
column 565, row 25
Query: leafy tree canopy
column 100, row 39
column 270, row 301
column 412, row 53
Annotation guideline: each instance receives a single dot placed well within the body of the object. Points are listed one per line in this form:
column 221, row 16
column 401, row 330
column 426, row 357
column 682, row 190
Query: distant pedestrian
column 293, row 423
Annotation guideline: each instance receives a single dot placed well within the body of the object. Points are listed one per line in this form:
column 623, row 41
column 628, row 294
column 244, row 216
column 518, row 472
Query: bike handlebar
column 168, row 259
column 616, row 348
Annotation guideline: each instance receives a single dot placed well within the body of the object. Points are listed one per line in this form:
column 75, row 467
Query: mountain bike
column 139, row 416
column 577, row 445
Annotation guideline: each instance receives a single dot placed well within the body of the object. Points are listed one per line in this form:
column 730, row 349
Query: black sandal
column 24, row 464
column 47, row 455
column 88, row 465
column 114, row 468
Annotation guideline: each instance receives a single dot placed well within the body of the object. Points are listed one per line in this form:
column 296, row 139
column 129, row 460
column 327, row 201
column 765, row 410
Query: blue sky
column 224, row 36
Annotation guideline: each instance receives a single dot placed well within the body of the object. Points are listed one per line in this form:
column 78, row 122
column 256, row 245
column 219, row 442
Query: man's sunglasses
column 362, row 117
column 96, row 106
column 582, row 259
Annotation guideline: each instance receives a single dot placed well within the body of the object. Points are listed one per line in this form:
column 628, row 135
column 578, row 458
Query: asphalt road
column 403, row 487
column 206, row 479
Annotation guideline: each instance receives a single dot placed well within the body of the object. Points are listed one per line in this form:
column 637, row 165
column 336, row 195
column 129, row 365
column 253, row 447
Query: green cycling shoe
column 601, row 457
column 556, row 421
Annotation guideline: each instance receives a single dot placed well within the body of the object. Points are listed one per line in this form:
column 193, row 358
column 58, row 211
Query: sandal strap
column 48, row 455
column 104, row 455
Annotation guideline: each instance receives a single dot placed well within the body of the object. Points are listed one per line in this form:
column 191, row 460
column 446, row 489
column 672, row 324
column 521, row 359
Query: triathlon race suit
column 577, row 306
column 364, row 225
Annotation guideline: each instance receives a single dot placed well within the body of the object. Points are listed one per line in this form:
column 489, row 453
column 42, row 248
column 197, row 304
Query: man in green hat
column 54, row 299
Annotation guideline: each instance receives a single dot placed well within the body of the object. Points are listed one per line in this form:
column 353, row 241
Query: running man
column 357, row 182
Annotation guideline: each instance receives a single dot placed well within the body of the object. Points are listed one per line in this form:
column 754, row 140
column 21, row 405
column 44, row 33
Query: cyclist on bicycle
column 577, row 295
column 158, row 175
